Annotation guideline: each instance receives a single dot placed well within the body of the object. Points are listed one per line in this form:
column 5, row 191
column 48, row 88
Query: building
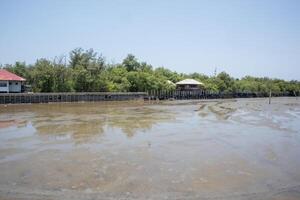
column 189, row 84
column 10, row 82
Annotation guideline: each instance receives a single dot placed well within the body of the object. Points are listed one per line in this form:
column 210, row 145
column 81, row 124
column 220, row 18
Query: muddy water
column 225, row 149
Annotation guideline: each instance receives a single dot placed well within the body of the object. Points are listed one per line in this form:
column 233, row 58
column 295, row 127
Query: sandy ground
column 208, row 149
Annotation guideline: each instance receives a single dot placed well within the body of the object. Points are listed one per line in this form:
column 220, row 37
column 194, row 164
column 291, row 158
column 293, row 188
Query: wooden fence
column 18, row 98
column 199, row 94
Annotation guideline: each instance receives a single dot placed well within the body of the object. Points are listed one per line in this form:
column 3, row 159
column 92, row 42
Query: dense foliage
column 88, row 71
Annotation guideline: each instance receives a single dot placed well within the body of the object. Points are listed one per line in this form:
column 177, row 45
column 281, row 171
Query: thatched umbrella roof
column 189, row 82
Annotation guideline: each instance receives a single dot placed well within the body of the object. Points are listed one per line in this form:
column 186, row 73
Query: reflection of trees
column 86, row 121
column 79, row 131
column 143, row 118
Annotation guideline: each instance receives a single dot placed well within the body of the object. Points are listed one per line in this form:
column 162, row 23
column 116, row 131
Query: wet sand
column 206, row 149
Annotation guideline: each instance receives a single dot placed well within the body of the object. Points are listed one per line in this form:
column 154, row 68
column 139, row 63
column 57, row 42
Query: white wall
column 14, row 86
column 4, row 89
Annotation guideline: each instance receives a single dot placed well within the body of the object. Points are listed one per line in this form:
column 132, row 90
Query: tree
column 117, row 77
column 87, row 59
column 224, row 82
column 87, row 71
column 18, row 68
column 43, row 76
column 62, row 77
column 131, row 63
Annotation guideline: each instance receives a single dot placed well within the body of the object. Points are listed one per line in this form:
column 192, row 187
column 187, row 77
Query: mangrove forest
column 88, row 71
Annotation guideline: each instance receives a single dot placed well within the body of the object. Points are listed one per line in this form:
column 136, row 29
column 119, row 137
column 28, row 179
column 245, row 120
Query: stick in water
column 270, row 95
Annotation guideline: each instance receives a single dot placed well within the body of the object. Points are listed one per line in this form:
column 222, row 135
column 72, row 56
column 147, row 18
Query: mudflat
column 202, row 149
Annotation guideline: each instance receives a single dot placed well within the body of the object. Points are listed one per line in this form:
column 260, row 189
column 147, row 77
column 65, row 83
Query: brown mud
column 221, row 149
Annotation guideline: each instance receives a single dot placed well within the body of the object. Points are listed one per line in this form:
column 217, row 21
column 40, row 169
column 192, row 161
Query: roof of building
column 189, row 82
column 8, row 76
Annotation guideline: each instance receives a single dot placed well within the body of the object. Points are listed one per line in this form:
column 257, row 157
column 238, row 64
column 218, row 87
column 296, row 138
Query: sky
column 246, row 37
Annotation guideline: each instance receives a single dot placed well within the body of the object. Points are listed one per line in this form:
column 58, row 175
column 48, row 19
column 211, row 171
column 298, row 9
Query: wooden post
column 270, row 95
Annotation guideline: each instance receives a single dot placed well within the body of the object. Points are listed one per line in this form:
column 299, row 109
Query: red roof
column 8, row 76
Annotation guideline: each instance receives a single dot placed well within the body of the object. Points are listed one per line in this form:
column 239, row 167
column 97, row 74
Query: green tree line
column 88, row 71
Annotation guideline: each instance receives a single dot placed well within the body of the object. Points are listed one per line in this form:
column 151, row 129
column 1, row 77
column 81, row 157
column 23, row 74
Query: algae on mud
column 223, row 149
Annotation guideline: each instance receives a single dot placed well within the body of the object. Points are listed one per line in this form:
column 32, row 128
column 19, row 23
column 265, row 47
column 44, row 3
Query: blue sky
column 259, row 38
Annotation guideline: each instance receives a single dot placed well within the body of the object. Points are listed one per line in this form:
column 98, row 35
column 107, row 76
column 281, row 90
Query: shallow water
column 223, row 149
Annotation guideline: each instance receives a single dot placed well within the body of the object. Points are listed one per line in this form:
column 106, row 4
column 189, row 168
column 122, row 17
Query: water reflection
column 138, row 119
column 12, row 122
column 84, row 122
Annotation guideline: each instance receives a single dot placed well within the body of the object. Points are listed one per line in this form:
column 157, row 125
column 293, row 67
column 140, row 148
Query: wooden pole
column 270, row 95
